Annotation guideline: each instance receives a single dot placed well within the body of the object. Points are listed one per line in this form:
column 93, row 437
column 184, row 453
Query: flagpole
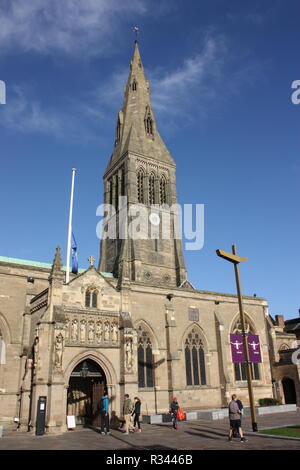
column 70, row 227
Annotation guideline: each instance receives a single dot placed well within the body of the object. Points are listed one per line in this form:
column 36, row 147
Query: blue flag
column 74, row 255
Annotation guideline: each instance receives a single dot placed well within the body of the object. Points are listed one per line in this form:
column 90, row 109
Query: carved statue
column 106, row 331
column 128, row 352
column 28, row 368
column 36, row 352
column 67, row 332
column 58, row 351
column 99, row 331
column 82, row 330
column 91, row 331
column 114, row 332
column 74, row 330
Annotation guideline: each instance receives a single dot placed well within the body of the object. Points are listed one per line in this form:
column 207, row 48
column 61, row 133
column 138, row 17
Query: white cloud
column 67, row 26
column 175, row 91
column 195, row 89
column 255, row 18
column 25, row 114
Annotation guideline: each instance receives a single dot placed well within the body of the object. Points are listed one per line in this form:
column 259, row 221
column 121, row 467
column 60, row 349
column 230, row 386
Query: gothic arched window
column 194, row 359
column 145, row 360
column 122, row 192
column 163, row 190
column 91, row 298
column 140, row 185
column 2, row 349
column 148, row 122
column 240, row 368
column 134, row 85
column 94, row 299
column 152, row 188
column 87, row 298
column 116, row 191
column 118, row 133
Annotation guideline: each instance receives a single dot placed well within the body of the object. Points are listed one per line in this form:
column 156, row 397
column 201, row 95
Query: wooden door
column 97, row 392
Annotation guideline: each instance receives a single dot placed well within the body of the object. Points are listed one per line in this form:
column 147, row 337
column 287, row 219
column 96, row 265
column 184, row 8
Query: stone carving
column 28, row 369
column 106, row 331
column 114, row 332
column 82, row 331
column 36, row 352
column 67, row 331
column 99, row 332
column 128, row 354
column 59, row 343
column 74, row 330
column 91, row 331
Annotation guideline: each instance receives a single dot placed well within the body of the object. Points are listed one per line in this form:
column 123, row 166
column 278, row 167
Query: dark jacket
column 174, row 407
column 240, row 405
column 137, row 408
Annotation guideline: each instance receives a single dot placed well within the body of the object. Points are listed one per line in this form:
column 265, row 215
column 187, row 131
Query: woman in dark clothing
column 136, row 413
column 173, row 410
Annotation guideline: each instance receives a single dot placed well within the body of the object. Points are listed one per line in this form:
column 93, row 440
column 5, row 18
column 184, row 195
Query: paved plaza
column 198, row 435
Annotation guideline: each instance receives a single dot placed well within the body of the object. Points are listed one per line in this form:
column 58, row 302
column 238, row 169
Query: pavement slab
column 191, row 435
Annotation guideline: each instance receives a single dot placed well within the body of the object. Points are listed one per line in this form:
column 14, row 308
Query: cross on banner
column 254, row 348
column 237, row 344
column 254, row 345
column 237, row 349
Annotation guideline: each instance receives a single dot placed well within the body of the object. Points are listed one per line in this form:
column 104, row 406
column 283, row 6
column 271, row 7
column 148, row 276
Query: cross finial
column 136, row 30
column 91, row 260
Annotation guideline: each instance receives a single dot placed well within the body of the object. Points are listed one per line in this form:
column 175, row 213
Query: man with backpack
column 104, row 414
column 127, row 411
column 235, row 420
column 241, row 406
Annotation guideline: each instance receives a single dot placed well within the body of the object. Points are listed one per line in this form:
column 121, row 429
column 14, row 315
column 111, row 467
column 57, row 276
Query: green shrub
column 268, row 402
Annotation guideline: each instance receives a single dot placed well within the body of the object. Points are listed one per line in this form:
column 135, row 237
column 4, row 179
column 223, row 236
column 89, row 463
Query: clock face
column 154, row 219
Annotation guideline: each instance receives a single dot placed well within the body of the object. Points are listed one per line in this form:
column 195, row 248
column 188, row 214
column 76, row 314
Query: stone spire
column 142, row 169
column 57, row 263
column 136, row 125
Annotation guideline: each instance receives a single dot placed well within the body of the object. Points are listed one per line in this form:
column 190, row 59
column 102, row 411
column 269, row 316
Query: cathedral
column 131, row 324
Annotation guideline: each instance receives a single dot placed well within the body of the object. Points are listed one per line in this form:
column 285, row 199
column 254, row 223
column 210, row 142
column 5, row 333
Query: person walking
column 127, row 411
column 104, row 413
column 241, row 406
column 136, row 413
column 235, row 419
column 173, row 410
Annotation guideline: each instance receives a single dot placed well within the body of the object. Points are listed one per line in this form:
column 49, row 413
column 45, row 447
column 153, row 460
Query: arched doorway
column 86, row 386
column 289, row 391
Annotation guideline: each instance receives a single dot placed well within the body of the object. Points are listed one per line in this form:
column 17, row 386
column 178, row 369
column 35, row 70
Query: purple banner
column 254, row 348
column 237, row 348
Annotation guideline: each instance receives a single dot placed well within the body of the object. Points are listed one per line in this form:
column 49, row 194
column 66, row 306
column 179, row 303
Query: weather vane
column 136, row 30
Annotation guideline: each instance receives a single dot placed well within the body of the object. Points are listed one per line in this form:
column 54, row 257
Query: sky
column 220, row 74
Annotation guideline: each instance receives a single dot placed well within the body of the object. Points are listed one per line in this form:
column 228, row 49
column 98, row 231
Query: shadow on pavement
column 201, row 435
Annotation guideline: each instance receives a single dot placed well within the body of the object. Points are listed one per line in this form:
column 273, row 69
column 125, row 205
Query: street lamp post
column 233, row 258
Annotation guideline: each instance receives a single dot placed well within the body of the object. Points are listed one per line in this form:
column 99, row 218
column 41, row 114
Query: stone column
column 25, row 393
column 128, row 358
column 172, row 348
column 222, row 359
column 57, row 405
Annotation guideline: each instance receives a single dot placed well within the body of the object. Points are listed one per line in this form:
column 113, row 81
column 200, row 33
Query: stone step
column 218, row 413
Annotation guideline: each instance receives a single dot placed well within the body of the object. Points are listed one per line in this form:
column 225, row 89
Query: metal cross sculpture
column 91, row 260
column 136, row 30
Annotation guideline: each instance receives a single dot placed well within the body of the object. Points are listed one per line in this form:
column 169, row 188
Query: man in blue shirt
column 104, row 412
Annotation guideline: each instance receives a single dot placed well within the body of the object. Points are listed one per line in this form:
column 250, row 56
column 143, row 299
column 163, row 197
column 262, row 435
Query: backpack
column 102, row 408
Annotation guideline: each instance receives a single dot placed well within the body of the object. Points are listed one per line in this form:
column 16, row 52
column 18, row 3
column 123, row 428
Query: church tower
column 142, row 170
